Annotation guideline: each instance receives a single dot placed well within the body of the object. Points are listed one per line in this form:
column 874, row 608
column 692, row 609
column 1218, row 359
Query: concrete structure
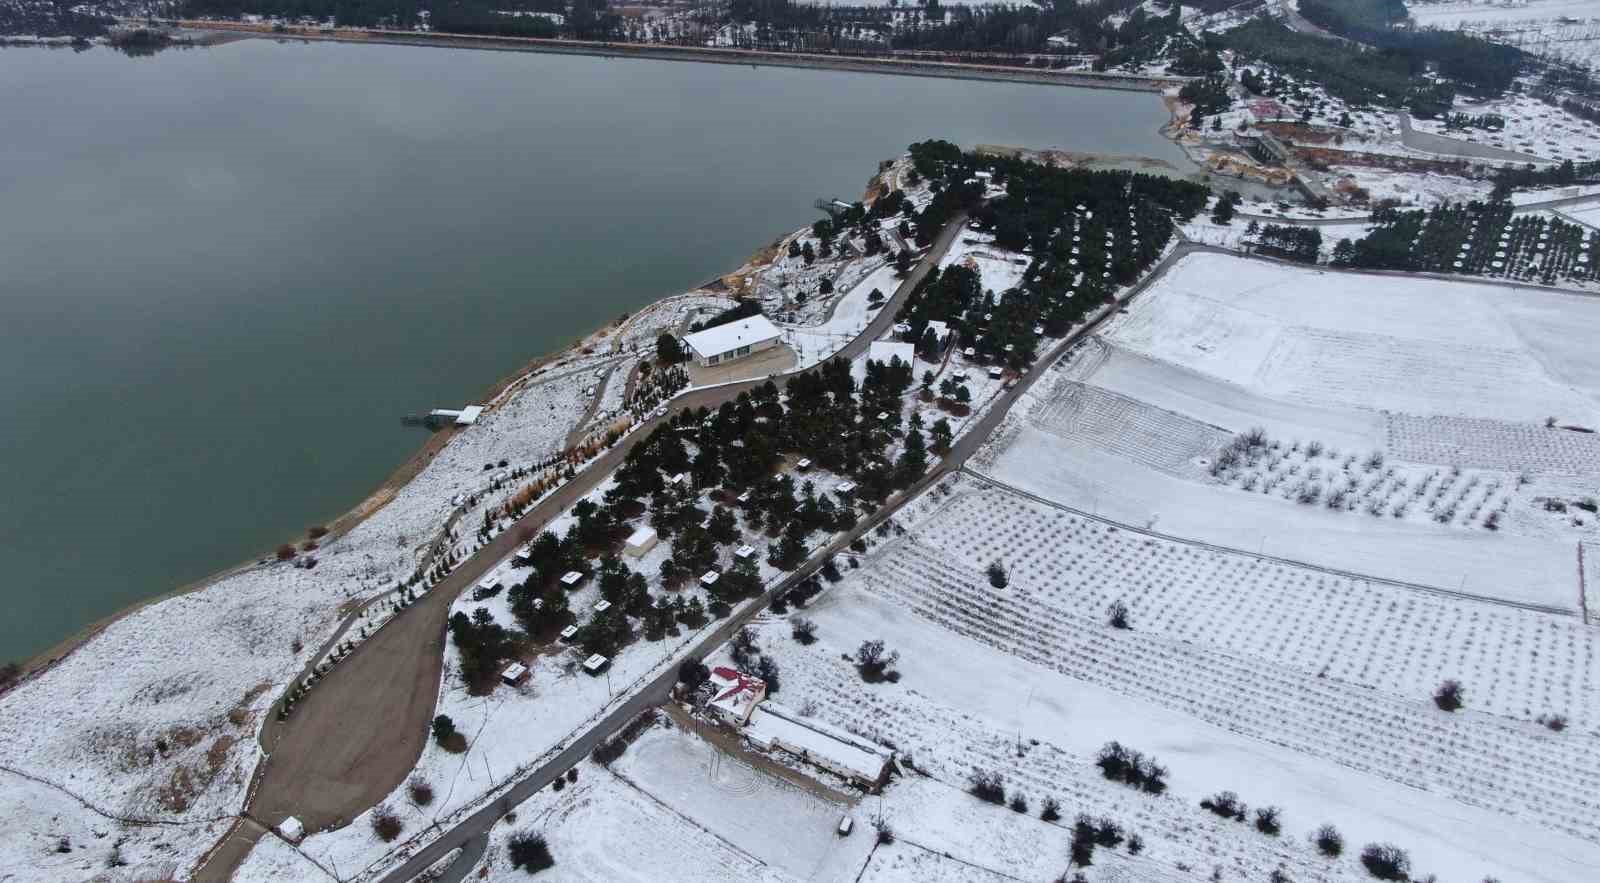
column 641, row 541
column 734, row 340
column 571, row 578
column 774, row 726
column 734, row 695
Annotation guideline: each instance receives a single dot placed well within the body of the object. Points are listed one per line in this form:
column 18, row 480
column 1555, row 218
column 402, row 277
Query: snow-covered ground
column 852, row 313
column 1451, row 382
column 1531, row 127
column 1030, row 683
column 998, row 270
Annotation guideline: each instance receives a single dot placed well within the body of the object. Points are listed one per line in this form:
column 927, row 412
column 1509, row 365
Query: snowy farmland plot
column 1428, row 432
column 1289, row 685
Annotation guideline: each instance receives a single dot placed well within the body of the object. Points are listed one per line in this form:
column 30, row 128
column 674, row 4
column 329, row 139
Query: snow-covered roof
column 469, row 415
column 514, row 671
column 602, row 607
column 774, row 724
column 643, row 535
column 709, row 578
column 572, row 577
column 940, row 329
column 595, row 663
column 887, row 350
column 291, row 829
column 736, row 693
column 726, row 338
column 745, row 551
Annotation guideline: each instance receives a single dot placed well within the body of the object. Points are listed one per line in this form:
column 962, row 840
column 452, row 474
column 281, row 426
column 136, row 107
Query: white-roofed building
column 733, row 340
column 641, row 541
column 777, row 726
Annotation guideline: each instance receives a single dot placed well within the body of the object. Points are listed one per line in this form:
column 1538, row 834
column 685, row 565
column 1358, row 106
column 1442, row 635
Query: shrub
column 9, row 673
column 1225, row 804
column 1329, row 841
column 1448, row 696
column 1268, row 821
column 1556, row 722
column 885, row 833
column 316, row 532
column 285, row 552
column 606, row 752
column 1019, row 803
column 1386, row 861
column 443, row 728
column 1135, row 844
column 692, row 673
column 804, row 630
column 1083, row 837
column 873, row 662
column 572, row 774
column 997, row 575
column 385, row 824
column 988, row 786
column 1107, row 833
column 1121, row 764
column 421, row 792
column 530, row 852
column 830, row 571
column 1051, row 811
column 1117, row 615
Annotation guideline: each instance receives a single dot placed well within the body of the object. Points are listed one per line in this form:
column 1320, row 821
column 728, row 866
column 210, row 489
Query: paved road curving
column 356, row 737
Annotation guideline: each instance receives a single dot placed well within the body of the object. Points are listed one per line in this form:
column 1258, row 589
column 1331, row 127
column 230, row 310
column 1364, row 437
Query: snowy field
column 1531, row 127
column 601, row 829
column 1449, row 385
column 1497, row 13
column 1029, row 681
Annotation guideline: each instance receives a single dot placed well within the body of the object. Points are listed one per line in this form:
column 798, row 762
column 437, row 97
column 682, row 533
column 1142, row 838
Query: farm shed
column 734, row 340
column 776, row 726
column 734, row 695
column 641, row 541
column 514, row 674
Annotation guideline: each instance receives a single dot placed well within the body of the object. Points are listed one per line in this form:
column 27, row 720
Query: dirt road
column 357, row 736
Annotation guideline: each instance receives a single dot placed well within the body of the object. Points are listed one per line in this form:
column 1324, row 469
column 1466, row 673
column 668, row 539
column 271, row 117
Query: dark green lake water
column 226, row 273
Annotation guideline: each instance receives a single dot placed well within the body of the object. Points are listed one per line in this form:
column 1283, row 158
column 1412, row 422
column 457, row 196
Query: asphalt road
column 480, row 822
column 356, row 737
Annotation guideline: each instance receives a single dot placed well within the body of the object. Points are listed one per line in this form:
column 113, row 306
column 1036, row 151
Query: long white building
column 734, row 340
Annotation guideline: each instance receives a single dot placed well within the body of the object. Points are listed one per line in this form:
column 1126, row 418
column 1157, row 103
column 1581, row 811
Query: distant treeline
column 1355, row 74
column 587, row 19
column 1474, row 63
column 51, row 19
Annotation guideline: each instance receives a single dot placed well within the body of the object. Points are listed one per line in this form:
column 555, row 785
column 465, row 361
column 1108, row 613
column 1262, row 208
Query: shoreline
column 892, row 66
column 40, row 662
column 370, row 504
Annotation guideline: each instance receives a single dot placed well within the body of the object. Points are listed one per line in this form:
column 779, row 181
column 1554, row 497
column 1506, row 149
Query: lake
column 226, row 273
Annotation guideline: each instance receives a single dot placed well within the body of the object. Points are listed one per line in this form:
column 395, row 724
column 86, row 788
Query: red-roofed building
column 735, row 695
